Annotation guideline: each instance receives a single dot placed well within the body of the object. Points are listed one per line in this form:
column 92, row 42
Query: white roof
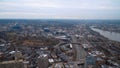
column 71, row 45
column 12, row 52
column 50, row 60
column 2, row 44
column 43, row 55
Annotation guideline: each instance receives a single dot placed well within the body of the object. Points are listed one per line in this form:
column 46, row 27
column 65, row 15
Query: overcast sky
column 60, row 9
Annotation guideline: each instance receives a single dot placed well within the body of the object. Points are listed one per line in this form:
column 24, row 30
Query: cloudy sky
column 60, row 9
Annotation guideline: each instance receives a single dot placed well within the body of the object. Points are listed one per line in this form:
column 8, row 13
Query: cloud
column 59, row 8
column 79, row 4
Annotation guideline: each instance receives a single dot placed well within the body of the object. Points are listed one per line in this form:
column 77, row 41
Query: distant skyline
column 60, row 9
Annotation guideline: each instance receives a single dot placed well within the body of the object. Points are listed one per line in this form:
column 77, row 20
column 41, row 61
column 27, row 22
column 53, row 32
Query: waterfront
column 110, row 35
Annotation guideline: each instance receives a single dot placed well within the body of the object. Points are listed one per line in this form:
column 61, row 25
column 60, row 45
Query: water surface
column 110, row 35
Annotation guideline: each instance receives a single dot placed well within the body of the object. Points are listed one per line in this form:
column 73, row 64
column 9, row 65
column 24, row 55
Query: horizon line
column 54, row 19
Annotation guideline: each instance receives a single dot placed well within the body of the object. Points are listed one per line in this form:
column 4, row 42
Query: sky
column 60, row 9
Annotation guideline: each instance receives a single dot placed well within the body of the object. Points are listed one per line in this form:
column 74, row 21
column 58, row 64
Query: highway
column 80, row 52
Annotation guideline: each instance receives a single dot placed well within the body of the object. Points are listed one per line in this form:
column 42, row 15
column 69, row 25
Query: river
column 110, row 35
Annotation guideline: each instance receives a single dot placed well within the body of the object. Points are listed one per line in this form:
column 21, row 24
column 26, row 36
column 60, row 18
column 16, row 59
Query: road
column 80, row 52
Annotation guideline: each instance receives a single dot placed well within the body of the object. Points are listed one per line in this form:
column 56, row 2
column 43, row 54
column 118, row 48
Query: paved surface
column 80, row 52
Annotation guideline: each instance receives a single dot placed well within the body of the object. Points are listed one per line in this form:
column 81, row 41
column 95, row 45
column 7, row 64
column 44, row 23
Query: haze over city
column 60, row 9
column 59, row 33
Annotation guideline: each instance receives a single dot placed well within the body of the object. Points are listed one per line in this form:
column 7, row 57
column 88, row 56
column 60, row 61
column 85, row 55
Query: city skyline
column 60, row 9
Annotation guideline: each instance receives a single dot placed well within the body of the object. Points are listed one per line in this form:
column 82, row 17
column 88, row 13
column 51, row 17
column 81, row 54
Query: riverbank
column 110, row 47
column 110, row 35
